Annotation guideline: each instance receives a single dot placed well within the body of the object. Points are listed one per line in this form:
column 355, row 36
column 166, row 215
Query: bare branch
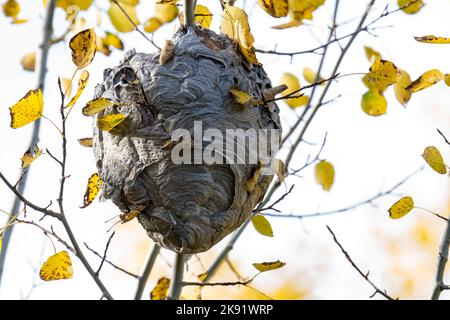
column 147, row 270
column 104, row 254
column 443, row 257
column 364, row 275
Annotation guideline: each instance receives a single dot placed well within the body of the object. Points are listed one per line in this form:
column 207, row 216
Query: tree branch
column 364, row 275
column 443, row 258
column 147, row 270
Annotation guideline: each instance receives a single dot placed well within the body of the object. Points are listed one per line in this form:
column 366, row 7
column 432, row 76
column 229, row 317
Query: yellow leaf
column 382, row 74
column 95, row 106
column 161, row 289
column 129, row 2
column 82, row 82
column 93, row 188
column 374, row 103
column 268, row 266
column 28, row 157
column 166, row 12
column 66, row 85
column 85, row 142
column 426, row 80
column 433, row 39
column 119, row 20
column 447, row 79
column 112, row 40
column 83, row 46
column 401, row 208
column 1, row 242
column 275, row 8
column 324, row 173
column 244, row 98
column 293, row 84
column 280, row 170
column 108, row 122
column 151, row 25
column 16, row 20
column 81, row 4
column 11, row 8
column 262, row 225
column 101, row 47
column 433, row 157
column 57, row 267
column 310, row 76
column 287, row 25
column 28, row 61
column 410, row 9
column 202, row 16
column 303, row 9
column 201, row 276
column 235, row 25
column 251, row 184
column 401, row 93
column 27, row 109
column 371, row 54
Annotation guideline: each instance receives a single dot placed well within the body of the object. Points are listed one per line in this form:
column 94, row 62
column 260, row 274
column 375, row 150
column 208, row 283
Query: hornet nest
column 186, row 208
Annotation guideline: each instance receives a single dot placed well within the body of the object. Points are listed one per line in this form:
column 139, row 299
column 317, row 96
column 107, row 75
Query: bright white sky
column 369, row 155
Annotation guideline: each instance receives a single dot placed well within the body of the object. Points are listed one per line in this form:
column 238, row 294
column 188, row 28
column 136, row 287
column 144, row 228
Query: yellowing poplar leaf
column 119, row 20
column 280, row 170
column 81, row 4
column 324, row 173
column 410, row 9
column 151, row 25
column 28, row 157
column 112, row 40
column 161, row 289
column 374, row 103
column 262, row 225
column 28, row 61
column 310, row 75
column 93, row 188
column 401, row 208
column 82, row 82
column 166, row 12
column 426, row 80
column 235, row 25
column 101, row 47
column 383, row 73
column 268, row 266
column 83, row 46
column 287, row 25
column 95, row 106
column 85, row 142
column 27, row 109
column 303, row 9
column 202, row 16
column 66, row 85
column 371, row 54
column 433, row 157
column 275, row 8
column 447, row 79
column 57, row 267
column 433, row 39
column 108, row 122
column 11, row 8
column 201, row 276
column 402, row 95
column 251, row 184
column 244, row 98
column 293, row 84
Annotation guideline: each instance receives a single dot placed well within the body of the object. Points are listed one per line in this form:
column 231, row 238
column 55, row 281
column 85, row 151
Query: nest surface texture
column 186, row 208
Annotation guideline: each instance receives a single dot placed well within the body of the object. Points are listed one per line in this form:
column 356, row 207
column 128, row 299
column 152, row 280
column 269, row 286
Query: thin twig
column 364, row 275
column 369, row 200
column 111, row 263
column 104, row 254
column 177, row 279
column 443, row 136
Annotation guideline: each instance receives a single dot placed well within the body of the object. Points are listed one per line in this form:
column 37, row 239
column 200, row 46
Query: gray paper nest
column 186, row 208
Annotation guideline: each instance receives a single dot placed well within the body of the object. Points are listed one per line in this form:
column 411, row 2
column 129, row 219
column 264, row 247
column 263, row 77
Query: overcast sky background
column 369, row 155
